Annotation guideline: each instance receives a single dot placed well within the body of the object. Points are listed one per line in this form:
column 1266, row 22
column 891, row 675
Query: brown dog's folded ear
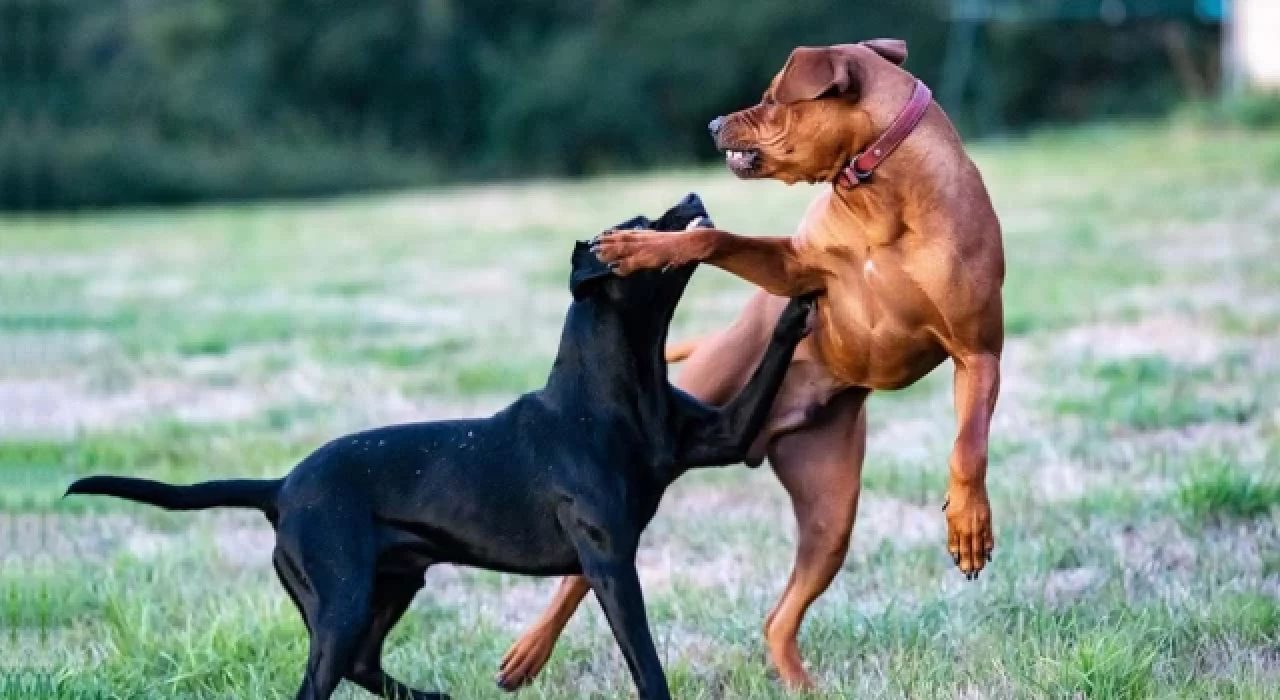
column 894, row 50
column 811, row 72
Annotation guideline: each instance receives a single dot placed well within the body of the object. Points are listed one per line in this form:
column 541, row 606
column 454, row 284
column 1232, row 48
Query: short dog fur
column 561, row 482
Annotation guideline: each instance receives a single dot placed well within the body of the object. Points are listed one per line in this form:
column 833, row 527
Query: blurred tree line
column 110, row 102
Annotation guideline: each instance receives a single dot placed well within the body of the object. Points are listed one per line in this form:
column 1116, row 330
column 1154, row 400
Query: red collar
column 860, row 168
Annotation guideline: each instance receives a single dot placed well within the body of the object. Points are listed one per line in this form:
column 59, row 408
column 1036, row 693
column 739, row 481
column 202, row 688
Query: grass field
column 1135, row 471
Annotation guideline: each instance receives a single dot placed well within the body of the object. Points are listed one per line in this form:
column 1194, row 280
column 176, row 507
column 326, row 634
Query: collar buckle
column 859, row 169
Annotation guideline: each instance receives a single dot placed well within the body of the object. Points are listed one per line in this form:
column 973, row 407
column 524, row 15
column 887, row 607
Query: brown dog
column 910, row 262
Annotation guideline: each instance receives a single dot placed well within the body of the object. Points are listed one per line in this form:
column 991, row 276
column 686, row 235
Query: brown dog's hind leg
column 525, row 659
column 821, row 468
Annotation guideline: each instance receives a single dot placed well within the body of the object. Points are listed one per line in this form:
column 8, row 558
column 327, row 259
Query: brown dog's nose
column 715, row 126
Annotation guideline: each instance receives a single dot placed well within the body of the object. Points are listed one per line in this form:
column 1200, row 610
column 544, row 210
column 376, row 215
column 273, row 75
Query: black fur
column 562, row 481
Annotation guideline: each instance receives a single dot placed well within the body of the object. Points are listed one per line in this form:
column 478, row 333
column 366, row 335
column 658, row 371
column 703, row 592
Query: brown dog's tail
column 679, row 352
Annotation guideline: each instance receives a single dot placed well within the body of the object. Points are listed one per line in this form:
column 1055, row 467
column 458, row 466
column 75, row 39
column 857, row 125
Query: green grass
column 1133, row 460
column 1151, row 393
column 1225, row 494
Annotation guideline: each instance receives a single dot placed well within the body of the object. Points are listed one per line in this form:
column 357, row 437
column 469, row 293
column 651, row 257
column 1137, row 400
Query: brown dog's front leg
column 771, row 263
column 970, row 537
column 525, row 659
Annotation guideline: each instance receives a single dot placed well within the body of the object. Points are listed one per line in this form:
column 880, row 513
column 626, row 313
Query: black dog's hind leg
column 392, row 595
column 330, row 579
column 609, row 566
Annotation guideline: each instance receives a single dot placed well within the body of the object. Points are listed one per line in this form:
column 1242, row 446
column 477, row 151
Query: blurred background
column 231, row 230
column 114, row 102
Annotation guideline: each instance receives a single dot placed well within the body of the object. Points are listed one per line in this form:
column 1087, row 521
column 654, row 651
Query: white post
column 1251, row 38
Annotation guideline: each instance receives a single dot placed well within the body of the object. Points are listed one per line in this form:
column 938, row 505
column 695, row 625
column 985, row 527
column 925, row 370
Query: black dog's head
column 649, row 291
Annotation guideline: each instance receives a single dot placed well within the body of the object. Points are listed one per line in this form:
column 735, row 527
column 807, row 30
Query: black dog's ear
column 685, row 212
column 586, row 271
column 634, row 223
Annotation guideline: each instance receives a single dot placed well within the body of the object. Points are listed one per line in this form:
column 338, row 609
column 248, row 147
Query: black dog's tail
column 232, row 493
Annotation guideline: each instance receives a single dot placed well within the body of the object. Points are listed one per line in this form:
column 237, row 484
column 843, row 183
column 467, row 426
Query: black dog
column 563, row 481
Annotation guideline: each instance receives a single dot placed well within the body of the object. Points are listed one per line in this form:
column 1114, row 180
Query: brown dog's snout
column 715, row 126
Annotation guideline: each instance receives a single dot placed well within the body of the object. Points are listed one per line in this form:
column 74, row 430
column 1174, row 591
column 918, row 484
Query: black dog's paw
column 796, row 321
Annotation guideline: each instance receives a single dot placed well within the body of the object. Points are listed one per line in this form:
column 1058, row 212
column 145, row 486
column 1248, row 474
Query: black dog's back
column 465, row 492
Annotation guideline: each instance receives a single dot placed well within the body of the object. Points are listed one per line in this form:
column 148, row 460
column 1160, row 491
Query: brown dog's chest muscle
column 885, row 319
column 869, row 336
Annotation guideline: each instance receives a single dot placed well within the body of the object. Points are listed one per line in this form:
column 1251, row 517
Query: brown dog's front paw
column 629, row 251
column 970, row 537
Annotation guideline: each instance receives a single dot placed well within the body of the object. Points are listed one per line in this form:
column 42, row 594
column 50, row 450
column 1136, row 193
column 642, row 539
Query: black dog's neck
column 594, row 331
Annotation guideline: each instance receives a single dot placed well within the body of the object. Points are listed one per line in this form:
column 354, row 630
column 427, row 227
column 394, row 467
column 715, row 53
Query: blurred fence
column 111, row 102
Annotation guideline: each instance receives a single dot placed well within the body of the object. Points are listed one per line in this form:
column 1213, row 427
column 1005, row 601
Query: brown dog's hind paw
column 523, row 662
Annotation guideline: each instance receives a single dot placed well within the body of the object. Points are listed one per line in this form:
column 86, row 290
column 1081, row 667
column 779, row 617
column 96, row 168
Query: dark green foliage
column 1249, row 111
column 110, row 102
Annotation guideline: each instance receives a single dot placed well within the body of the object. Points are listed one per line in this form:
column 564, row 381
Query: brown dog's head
column 815, row 115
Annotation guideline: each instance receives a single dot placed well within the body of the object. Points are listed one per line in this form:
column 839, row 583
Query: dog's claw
column 505, row 684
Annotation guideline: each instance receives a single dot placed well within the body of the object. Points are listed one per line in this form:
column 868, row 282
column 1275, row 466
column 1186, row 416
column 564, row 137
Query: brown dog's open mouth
column 742, row 161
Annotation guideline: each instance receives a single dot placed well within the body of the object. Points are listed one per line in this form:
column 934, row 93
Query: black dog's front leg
column 716, row 436
column 617, row 587
column 607, row 555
